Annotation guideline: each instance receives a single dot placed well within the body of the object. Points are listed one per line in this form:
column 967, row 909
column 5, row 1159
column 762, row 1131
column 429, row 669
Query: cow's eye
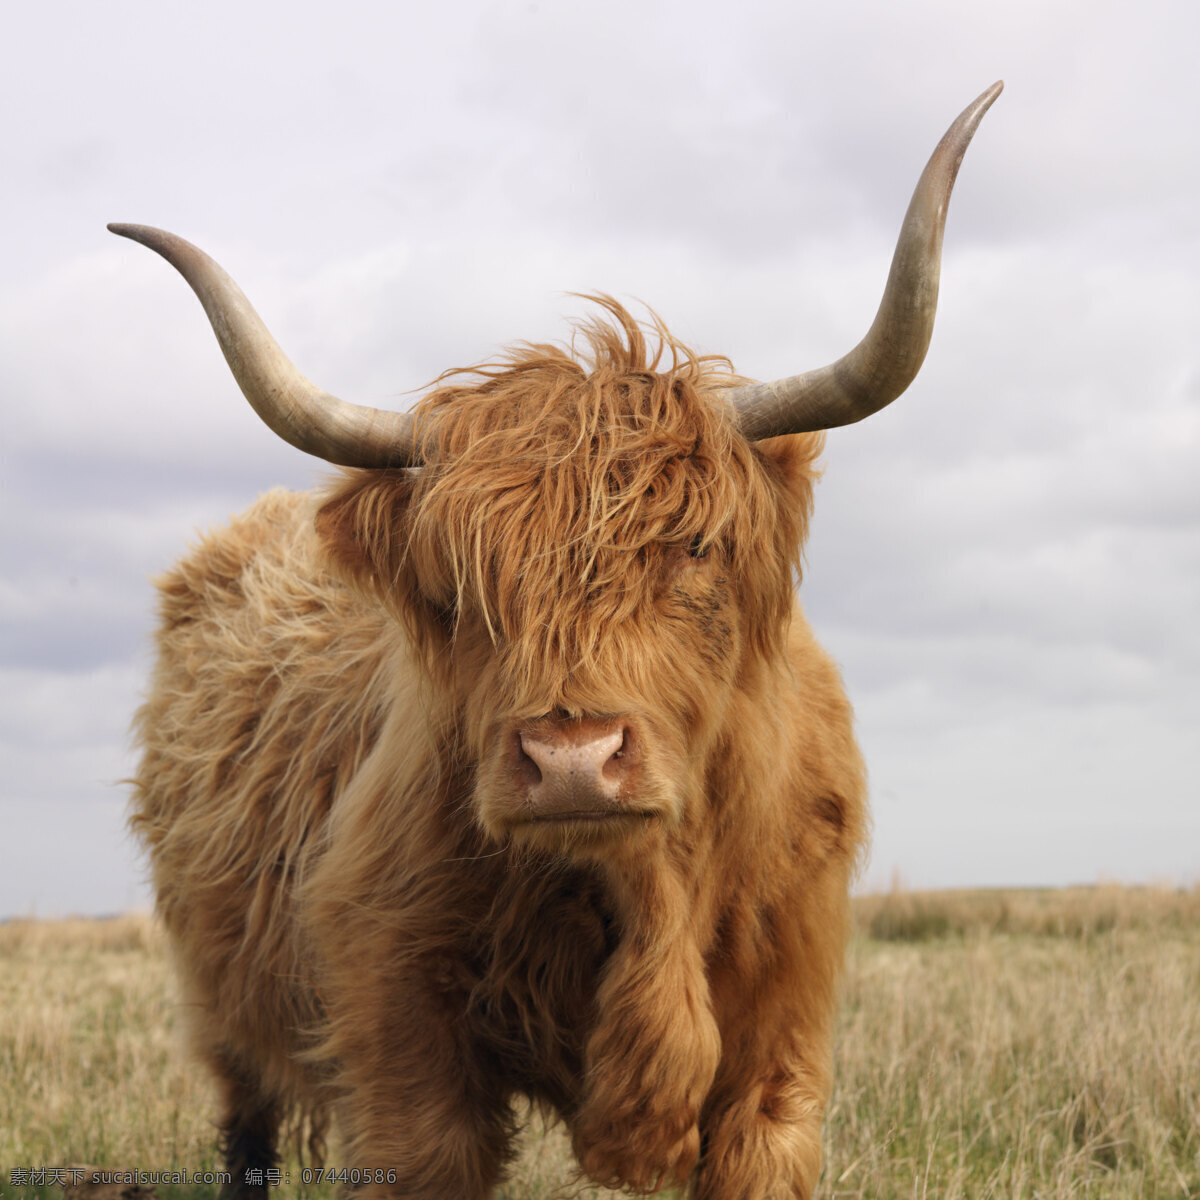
column 698, row 550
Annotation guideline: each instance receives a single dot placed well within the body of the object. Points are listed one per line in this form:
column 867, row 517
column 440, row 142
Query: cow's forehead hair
column 621, row 443
column 558, row 478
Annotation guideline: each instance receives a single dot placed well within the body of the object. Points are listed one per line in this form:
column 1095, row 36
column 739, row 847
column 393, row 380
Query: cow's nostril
column 624, row 756
column 527, row 767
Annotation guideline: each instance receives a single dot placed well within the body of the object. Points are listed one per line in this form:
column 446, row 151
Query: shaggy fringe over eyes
column 562, row 484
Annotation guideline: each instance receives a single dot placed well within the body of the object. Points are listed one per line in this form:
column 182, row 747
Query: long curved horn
column 887, row 360
column 300, row 412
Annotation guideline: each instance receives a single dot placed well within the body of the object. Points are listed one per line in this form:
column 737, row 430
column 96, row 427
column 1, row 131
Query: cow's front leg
column 424, row 1116
column 765, row 1144
column 652, row 1056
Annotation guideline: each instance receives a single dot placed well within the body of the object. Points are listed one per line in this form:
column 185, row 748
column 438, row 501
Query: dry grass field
column 992, row 1044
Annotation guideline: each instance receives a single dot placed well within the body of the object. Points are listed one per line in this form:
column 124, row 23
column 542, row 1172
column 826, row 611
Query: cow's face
column 591, row 562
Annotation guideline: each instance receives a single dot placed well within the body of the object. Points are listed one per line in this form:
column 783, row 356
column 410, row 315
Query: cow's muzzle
column 577, row 769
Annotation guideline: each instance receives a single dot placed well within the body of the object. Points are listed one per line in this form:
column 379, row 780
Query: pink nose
column 578, row 769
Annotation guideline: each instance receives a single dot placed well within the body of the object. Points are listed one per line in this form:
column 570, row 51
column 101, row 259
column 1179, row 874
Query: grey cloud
column 1005, row 562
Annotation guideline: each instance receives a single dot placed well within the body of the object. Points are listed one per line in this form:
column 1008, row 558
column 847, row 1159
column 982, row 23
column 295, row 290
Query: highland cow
column 507, row 766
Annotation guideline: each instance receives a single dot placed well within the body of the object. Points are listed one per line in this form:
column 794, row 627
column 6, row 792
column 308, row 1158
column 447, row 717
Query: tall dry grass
column 991, row 1044
column 901, row 915
column 1004, row 1044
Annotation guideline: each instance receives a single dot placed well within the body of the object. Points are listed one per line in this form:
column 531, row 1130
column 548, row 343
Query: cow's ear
column 363, row 526
column 792, row 462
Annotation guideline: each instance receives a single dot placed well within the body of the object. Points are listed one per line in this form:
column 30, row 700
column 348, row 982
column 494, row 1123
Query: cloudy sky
column 1006, row 562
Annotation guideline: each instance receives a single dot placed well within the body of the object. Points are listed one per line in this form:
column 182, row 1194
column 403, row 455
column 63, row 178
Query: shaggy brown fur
column 364, row 916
